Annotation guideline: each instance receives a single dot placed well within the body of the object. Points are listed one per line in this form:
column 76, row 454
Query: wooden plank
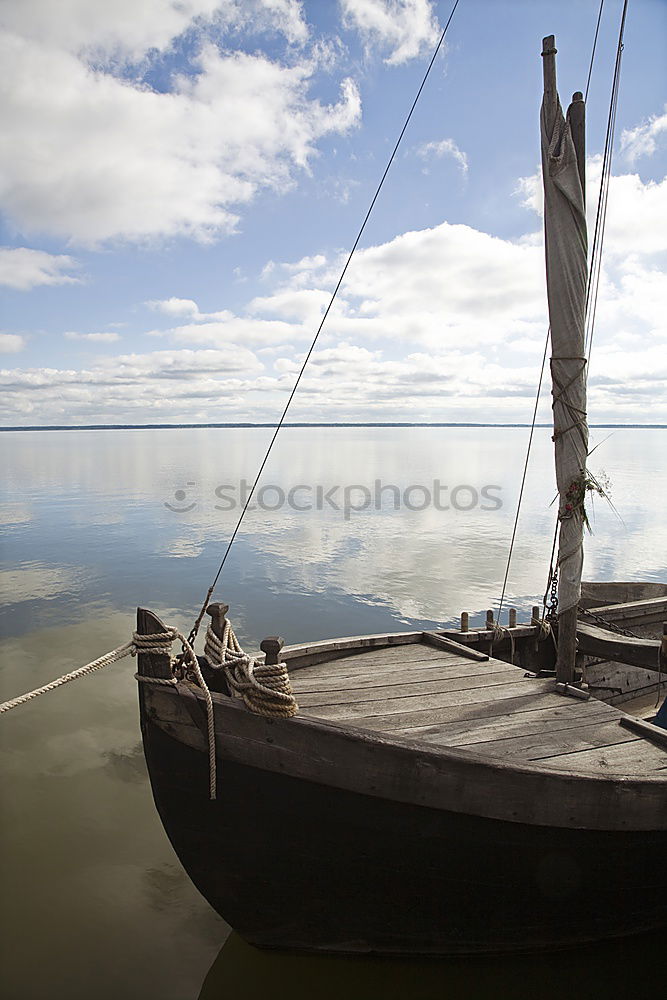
column 479, row 635
column 440, row 642
column 647, row 610
column 636, row 757
column 414, row 668
column 448, row 670
column 642, row 728
column 529, row 723
column 383, row 692
column 305, row 653
column 470, row 696
column 427, row 717
column 617, row 682
column 401, row 770
column 417, row 653
column 595, row 641
column 558, row 741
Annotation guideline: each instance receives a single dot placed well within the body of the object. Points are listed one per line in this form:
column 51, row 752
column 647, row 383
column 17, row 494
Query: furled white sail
column 566, row 251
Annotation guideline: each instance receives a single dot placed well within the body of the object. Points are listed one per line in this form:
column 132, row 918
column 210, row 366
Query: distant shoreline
column 155, row 427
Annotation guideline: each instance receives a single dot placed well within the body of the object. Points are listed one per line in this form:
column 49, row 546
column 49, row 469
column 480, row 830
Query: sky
column 181, row 181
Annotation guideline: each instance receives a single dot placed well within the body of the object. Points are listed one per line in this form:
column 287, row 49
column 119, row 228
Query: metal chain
column 552, row 605
column 610, row 625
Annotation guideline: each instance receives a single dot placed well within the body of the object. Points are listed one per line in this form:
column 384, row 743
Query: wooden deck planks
column 446, row 670
column 412, row 689
column 531, row 722
column 559, row 741
column 450, row 699
column 440, row 698
column 637, row 756
column 399, row 657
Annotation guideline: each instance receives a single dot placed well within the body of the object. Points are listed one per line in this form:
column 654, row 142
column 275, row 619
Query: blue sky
column 179, row 183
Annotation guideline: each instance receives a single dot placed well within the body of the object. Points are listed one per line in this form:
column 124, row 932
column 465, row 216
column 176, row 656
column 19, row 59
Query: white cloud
column 643, row 139
column 230, row 329
column 445, row 147
column 11, row 343
column 130, row 28
column 96, row 338
column 23, row 268
column 306, row 305
column 636, row 214
column 441, row 323
column 151, row 164
column 160, row 384
column 405, row 28
column 175, row 306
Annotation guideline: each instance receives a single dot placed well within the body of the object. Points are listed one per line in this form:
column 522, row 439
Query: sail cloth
column 566, row 252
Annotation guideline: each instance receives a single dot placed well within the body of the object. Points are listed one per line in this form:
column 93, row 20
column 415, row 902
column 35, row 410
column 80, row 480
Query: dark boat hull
column 295, row 864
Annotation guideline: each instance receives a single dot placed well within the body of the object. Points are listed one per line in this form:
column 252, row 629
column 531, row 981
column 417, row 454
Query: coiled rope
column 264, row 688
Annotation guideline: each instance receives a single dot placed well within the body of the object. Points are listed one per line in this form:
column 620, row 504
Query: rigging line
column 195, row 628
column 601, row 215
column 523, row 478
column 595, row 42
column 604, row 192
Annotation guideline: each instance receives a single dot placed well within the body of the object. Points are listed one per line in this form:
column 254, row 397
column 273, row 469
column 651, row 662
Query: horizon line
column 247, row 425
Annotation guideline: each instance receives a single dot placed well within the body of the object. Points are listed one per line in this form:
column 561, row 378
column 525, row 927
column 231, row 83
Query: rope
column 198, row 621
column 264, row 688
column 523, row 477
column 543, row 626
column 595, row 42
column 159, row 642
column 601, row 213
column 499, row 632
column 190, row 664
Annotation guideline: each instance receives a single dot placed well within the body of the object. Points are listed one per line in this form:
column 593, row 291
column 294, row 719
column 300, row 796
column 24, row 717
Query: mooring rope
column 264, row 688
column 159, row 642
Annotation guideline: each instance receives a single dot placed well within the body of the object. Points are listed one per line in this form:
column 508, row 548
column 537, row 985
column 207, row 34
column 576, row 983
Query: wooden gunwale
column 596, row 641
column 644, row 612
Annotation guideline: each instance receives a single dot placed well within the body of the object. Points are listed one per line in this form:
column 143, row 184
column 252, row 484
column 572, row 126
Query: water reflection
column 90, row 524
column 90, row 882
column 618, row 970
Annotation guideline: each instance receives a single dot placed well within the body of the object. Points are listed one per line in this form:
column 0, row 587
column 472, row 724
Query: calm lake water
column 94, row 901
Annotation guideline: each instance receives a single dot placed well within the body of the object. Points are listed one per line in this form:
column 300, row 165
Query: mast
column 566, row 247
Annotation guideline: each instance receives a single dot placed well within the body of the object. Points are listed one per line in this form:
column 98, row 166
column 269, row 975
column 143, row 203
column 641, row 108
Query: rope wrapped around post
column 263, row 687
column 501, row 632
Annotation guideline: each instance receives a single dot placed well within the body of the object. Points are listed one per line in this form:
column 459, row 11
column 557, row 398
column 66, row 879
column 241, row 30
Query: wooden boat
column 430, row 797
